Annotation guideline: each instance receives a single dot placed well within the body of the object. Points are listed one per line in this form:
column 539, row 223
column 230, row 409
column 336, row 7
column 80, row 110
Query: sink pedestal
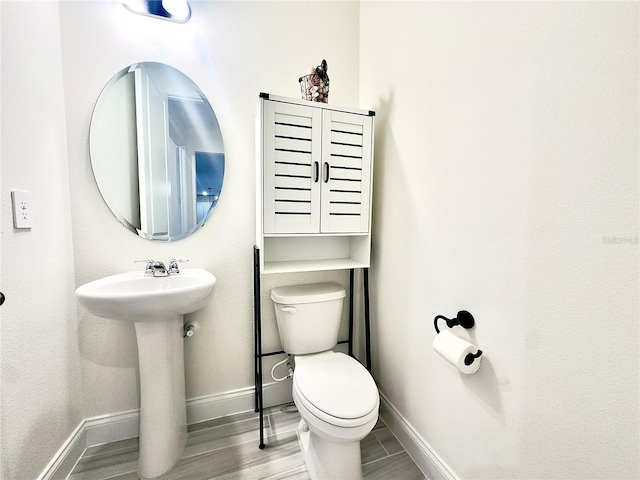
column 155, row 305
column 163, row 407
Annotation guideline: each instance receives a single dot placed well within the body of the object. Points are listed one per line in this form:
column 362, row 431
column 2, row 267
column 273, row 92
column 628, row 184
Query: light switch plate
column 21, row 202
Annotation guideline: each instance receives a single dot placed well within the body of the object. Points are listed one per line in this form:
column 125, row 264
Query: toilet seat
column 336, row 388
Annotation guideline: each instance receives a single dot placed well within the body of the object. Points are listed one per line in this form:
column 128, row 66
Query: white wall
column 506, row 161
column 41, row 384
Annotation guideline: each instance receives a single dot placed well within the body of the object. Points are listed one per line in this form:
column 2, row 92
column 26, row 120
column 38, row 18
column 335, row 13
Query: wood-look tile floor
column 227, row 448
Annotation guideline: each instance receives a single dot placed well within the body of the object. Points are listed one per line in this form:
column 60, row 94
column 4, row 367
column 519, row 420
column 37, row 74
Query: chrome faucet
column 154, row 268
column 158, row 269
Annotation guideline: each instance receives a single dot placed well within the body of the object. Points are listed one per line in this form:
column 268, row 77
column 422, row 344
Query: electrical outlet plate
column 21, row 202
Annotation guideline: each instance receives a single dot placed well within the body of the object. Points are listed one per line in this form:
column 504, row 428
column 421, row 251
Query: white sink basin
column 155, row 305
column 135, row 297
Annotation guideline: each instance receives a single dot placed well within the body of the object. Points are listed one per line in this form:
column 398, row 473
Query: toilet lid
column 336, row 384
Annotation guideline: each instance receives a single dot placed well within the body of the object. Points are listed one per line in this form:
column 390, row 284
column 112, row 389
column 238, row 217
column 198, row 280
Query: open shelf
column 312, row 265
column 314, row 253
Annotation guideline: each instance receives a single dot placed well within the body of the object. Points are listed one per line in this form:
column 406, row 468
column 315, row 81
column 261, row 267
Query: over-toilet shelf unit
column 313, row 185
column 314, row 166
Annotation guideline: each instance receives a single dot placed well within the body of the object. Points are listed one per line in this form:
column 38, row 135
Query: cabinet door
column 346, row 172
column 292, row 156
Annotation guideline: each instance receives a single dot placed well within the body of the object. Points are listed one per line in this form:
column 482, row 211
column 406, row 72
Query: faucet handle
column 149, row 262
column 173, row 265
column 149, row 268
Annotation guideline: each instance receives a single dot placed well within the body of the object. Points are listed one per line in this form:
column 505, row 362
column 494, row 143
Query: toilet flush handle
column 289, row 309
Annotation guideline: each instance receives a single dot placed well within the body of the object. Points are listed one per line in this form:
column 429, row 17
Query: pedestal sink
column 156, row 306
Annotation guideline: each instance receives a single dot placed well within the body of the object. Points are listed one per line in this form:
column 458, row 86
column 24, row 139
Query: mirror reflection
column 156, row 151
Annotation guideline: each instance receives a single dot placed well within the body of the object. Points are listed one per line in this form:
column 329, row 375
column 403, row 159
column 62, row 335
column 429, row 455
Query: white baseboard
column 418, row 449
column 66, row 458
column 227, row 403
column 122, row 425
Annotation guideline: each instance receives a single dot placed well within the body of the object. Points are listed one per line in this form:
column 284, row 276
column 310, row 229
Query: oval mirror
column 156, row 151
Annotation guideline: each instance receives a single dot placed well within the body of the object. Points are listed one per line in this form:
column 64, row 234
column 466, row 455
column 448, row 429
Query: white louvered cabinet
column 314, row 169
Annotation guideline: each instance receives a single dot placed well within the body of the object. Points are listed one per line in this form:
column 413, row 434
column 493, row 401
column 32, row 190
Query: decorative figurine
column 315, row 85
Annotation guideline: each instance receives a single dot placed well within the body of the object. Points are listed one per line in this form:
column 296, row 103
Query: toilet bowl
column 338, row 402
column 335, row 395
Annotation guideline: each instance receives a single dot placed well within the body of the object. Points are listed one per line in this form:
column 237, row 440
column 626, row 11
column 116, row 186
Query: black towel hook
column 464, row 319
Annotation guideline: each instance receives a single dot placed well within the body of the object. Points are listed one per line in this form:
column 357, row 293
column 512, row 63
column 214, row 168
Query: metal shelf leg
column 367, row 322
column 259, row 405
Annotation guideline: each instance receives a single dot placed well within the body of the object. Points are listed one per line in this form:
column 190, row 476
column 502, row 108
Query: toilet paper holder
column 465, row 320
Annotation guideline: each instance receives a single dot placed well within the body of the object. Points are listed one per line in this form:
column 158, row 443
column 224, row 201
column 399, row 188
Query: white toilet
column 335, row 395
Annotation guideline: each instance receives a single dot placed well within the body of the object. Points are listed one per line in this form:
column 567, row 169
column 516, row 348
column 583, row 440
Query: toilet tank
column 308, row 316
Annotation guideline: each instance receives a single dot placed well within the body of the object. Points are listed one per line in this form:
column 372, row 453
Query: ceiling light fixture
column 172, row 10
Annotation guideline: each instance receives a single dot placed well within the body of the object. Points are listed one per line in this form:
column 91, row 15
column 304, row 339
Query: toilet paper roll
column 454, row 350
